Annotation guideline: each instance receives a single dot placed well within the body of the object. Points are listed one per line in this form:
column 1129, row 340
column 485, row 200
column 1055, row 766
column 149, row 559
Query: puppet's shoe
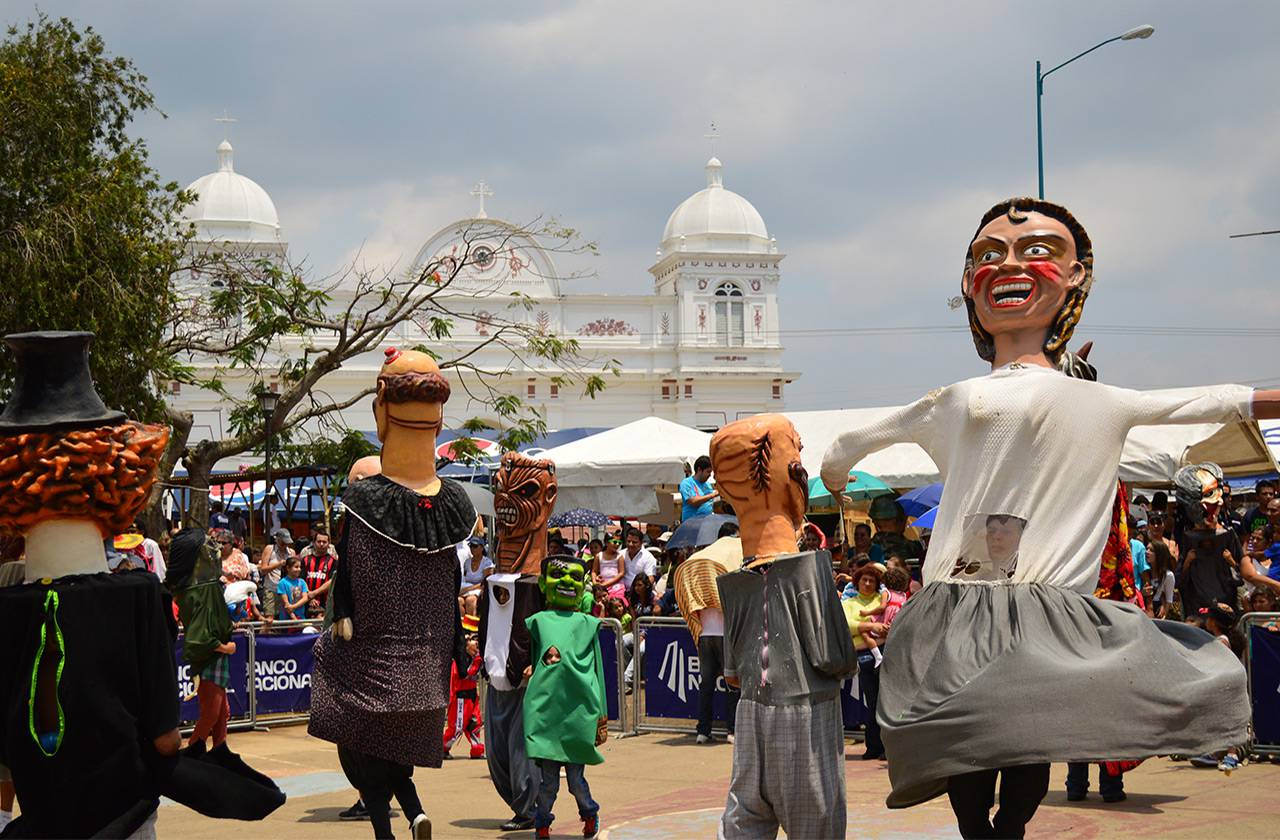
column 478, row 753
column 543, row 833
column 222, row 756
column 590, row 826
column 421, row 828
column 517, row 823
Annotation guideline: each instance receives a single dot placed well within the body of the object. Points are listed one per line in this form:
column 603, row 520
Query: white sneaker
column 704, row 739
column 421, row 829
column 729, row 737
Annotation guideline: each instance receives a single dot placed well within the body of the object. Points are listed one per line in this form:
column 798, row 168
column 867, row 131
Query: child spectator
column 464, row 706
column 892, row 598
column 1162, row 579
column 291, row 592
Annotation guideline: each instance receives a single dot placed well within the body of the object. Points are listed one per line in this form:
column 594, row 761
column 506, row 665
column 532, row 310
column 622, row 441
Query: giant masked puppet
column 786, row 643
column 525, row 493
column 381, row 682
column 1207, row 577
column 88, row 683
column 999, row 667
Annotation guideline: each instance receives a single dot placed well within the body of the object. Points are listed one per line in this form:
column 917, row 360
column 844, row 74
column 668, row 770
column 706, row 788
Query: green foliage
column 337, row 452
column 88, row 232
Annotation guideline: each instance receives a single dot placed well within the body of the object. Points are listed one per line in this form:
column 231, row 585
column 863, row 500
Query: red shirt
column 317, row 570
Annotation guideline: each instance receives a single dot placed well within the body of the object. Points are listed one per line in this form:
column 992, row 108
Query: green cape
column 564, row 701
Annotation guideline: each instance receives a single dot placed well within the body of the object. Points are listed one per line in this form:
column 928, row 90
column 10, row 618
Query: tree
column 90, row 236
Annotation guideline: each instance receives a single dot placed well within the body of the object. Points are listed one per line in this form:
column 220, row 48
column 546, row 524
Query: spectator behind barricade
column 152, row 556
column 864, row 550
column 890, row 521
column 696, row 493
column 667, row 605
column 1162, row 603
column 615, row 608
column 291, row 592
column 1260, row 566
column 235, row 566
column 1228, row 515
column 599, row 597
column 592, row 550
column 239, row 523
column 812, row 538
column 1262, row 601
column 1256, row 517
column 271, row 565
column 218, row 520
column 318, row 564
column 475, row 569
column 1158, row 531
column 642, row 605
column 867, row 580
column 637, row 560
column 556, row 544
column 608, row 570
column 1138, row 551
column 896, row 562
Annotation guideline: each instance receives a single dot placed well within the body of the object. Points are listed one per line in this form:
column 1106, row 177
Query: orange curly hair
column 104, row 474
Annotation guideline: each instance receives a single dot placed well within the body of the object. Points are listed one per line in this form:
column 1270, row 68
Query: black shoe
column 872, row 756
column 1076, row 795
column 1114, row 797
column 355, row 812
column 517, row 823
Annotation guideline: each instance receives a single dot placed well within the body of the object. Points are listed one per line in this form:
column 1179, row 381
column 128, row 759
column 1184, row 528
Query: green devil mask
column 562, row 582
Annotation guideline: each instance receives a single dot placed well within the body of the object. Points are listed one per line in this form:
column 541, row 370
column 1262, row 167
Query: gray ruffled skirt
column 977, row 677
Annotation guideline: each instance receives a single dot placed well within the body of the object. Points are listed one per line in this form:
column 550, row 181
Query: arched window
column 730, row 323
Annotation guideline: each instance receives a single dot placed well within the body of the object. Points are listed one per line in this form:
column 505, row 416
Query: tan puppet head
column 524, row 494
column 758, row 469
column 411, row 393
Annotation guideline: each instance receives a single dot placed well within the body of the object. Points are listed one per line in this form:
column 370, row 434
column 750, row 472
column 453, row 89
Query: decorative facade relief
column 665, row 323
column 607, row 326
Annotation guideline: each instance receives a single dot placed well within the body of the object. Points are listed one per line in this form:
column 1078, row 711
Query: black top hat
column 53, row 390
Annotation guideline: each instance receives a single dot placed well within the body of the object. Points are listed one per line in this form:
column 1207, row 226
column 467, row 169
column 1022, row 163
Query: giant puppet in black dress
column 1000, row 669
column 381, row 682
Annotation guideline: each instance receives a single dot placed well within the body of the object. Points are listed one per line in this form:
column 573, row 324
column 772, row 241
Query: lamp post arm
column 1046, row 73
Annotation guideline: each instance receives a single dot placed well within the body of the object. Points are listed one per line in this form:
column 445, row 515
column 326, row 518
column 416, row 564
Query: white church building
column 701, row 347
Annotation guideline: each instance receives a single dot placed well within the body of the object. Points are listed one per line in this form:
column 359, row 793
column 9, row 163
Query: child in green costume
column 565, row 716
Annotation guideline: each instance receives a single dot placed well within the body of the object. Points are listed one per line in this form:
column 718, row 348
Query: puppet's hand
column 528, row 671
column 227, row 647
column 342, row 629
column 1231, row 560
column 602, row 730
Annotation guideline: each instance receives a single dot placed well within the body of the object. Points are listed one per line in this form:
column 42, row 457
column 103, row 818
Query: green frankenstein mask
column 562, row 582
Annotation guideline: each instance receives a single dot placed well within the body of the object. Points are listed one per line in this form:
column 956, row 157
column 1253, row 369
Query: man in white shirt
column 637, row 559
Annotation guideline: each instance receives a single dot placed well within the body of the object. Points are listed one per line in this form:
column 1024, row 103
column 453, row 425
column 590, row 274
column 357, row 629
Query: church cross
column 713, row 136
column 482, row 191
column 226, row 123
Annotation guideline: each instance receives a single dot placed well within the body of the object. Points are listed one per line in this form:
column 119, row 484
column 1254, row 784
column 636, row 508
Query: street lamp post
column 268, row 400
column 1137, row 33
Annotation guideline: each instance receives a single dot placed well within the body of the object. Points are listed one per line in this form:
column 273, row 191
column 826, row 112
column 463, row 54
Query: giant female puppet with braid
column 998, row 670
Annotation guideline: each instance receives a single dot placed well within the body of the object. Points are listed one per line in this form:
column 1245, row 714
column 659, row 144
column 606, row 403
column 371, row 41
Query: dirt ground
column 666, row 786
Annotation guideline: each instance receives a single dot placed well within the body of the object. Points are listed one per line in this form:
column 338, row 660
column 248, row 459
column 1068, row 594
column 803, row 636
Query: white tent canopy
column 1151, row 454
column 615, row 472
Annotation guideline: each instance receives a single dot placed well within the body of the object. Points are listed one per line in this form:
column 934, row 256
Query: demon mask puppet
column 758, row 469
column 525, row 495
column 1199, row 493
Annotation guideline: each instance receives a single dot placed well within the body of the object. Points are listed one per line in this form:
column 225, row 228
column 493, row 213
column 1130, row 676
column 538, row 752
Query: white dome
column 716, row 220
column 231, row 207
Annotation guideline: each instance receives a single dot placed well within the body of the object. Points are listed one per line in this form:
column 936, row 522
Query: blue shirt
column 292, row 589
column 690, row 488
column 1140, row 566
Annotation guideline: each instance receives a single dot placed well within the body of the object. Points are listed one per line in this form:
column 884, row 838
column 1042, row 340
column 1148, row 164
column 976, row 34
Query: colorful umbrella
column 861, row 486
column 926, row 519
column 699, row 531
column 579, row 516
column 921, row 499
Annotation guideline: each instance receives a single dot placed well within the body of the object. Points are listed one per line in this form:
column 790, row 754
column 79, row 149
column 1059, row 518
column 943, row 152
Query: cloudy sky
column 871, row 137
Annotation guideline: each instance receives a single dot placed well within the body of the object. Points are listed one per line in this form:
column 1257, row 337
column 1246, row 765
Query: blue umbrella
column 921, row 499
column 579, row 516
column 699, row 531
column 926, row 519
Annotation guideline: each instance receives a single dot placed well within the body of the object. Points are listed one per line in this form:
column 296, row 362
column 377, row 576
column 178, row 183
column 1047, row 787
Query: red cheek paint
column 1046, row 270
column 980, row 276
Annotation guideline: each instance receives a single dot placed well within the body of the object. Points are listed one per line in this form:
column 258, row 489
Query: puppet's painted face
column 524, row 496
column 562, row 582
column 1019, row 273
column 1199, row 492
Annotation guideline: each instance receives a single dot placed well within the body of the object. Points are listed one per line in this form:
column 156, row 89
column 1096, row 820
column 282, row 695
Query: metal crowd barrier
column 1262, row 662
column 680, row 673
column 615, row 626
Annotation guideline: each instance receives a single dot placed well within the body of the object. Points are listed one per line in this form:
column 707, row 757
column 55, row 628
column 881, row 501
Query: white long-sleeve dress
column 1004, row 658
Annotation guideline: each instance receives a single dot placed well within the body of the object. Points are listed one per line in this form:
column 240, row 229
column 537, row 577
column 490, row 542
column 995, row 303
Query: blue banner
column 1264, row 676
column 672, row 680
column 609, row 654
column 237, row 690
column 282, row 673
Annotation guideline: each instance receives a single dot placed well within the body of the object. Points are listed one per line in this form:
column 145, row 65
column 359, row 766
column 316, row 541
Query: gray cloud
column 870, row 136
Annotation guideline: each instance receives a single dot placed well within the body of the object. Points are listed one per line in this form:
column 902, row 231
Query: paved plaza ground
column 665, row 786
